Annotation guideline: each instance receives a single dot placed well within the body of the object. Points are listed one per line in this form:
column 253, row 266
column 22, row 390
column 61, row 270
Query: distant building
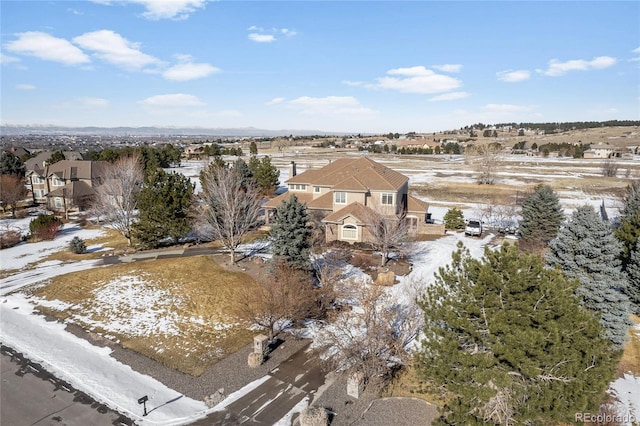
column 599, row 151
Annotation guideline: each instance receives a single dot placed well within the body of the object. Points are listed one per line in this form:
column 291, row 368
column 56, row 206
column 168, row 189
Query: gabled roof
column 74, row 169
column 324, row 202
column 356, row 210
column 353, row 174
column 39, row 160
column 415, row 205
column 74, row 190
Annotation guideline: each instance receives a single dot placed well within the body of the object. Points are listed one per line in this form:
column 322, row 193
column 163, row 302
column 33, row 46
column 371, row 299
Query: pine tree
column 633, row 273
column 265, row 174
column 11, row 165
column 541, row 217
column 243, row 169
column 163, row 205
column 586, row 250
column 506, row 342
column 454, row 219
column 291, row 235
column 628, row 229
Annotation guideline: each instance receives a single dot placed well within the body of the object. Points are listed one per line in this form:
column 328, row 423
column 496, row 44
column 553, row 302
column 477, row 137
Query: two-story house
column 345, row 192
column 66, row 185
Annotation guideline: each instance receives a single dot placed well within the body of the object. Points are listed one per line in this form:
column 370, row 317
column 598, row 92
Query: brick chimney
column 292, row 169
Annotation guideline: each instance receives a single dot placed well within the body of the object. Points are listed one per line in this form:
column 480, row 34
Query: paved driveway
column 295, row 378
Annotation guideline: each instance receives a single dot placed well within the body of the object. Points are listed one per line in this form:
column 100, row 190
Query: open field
column 175, row 311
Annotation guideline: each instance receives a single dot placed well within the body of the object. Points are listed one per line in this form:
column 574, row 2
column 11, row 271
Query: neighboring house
column 18, row 151
column 599, row 151
column 66, row 185
column 193, row 152
column 345, row 192
column 39, row 162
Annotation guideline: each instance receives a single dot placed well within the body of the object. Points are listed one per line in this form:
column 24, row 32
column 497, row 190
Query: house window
column 298, row 187
column 58, row 202
column 37, row 179
column 57, row 182
column 316, row 189
column 38, row 193
column 341, row 197
column 387, row 199
column 412, row 223
column 349, row 232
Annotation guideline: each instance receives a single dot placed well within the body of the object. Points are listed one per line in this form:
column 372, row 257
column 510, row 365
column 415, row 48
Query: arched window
column 349, row 232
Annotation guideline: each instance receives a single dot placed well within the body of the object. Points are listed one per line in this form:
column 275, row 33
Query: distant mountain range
column 10, row 129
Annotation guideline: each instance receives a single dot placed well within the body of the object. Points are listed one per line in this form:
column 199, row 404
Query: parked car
column 473, row 228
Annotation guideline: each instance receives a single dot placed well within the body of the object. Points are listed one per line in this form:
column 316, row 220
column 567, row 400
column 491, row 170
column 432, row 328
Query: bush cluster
column 45, row 227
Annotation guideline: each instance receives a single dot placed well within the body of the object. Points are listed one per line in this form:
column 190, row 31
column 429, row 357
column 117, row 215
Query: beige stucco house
column 346, row 190
column 66, row 185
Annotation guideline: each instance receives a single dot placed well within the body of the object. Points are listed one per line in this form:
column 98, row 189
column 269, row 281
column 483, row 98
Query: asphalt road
column 30, row 396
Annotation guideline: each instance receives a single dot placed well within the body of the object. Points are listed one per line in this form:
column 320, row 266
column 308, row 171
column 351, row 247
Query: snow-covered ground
column 92, row 369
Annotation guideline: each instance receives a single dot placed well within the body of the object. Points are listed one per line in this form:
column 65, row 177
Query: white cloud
column 47, row 47
column 330, row 105
column 172, row 100
column 557, row 68
column 416, row 80
column 352, row 83
column 275, row 101
column 448, row 67
column 91, row 103
column 115, row 49
column 261, row 38
column 508, row 108
column 163, row 9
column 6, row 59
column 25, row 86
column 450, row 96
column 513, row 76
column 636, row 50
column 260, row 35
column 187, row 70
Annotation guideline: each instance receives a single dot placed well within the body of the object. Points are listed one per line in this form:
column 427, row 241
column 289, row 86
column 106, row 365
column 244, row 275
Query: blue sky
column 360, row 66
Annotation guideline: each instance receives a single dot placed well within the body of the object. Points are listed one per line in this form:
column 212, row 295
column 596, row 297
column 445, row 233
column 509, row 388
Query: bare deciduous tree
column 231, row 207
column 388, row 232
column 489, row 157
column 372, row 338
column 285, row 294
column 116, row 197
column 12, row 190
column 610, row 168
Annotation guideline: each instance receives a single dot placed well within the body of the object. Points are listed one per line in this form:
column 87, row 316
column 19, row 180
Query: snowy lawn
column 176, row 311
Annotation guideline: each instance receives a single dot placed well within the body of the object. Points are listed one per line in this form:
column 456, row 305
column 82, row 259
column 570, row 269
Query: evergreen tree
column 628, row 229
column 586, row 250
column 253, row 148
column 55, row 157
column 454, row 219
column 265, row 174
column 506, row 343
column 291, row 235
column 11, row 165
column 243, row 169
column 633, row 273
column 163, row 205
column 541, row 217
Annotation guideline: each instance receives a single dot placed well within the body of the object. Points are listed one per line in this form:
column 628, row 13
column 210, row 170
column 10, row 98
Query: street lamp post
column 143, row 401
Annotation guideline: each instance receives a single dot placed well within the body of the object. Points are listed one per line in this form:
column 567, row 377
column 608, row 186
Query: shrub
column 45, row 227
column 77, row 245
column 9, row 238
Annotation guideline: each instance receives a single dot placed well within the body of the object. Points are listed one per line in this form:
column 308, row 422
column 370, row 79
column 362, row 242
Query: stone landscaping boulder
column 215, row 398
column 386, row 278
column 255, row 359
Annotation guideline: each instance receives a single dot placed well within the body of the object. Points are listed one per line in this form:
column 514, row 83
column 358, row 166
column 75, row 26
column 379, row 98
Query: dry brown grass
column 408, row 383
column 195, row 292
column 630, row 361
column 461, row 192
